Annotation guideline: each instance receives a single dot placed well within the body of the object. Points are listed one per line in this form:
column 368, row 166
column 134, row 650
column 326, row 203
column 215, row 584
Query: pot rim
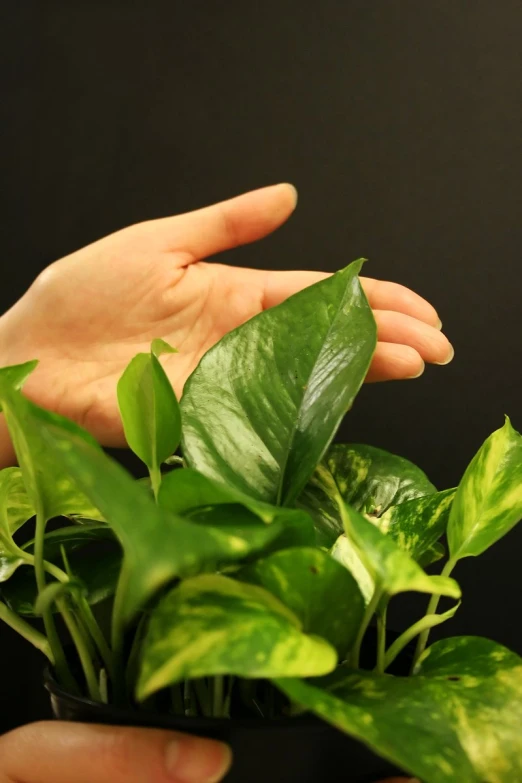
column 124, row 713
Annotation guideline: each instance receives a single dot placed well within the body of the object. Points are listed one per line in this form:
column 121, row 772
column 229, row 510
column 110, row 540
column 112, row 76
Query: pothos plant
column 247, row 569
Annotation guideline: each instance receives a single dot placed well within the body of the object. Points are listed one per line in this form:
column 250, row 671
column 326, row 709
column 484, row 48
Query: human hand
column 88, row 314
column 55, row 752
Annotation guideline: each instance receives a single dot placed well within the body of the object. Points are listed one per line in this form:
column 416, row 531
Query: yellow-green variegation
column 213, row 625
column 15, row 510
column 321, row 593
column 459, row 719
column 488, row 502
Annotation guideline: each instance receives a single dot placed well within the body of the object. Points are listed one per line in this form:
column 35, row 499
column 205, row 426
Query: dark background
column 399, row 121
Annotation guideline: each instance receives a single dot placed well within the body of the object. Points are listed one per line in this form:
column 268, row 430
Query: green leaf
column 393, row 569
column 72, row 538
column 458, row 720
column 15, row 507
column 432, row 555
column 149, row 408
column 345, row 552
column 417, row 524
column 17, row 374
column 15, row 510
column 321, row 593
column 48, row 486
column 213, row 625
column 158, row 546
column 264, row 403
column 159, row 347
column 488, row 502
column 369, row 479
column 97, row 569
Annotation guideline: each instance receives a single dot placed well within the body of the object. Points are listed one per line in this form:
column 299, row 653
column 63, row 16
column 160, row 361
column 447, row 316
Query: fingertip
column 293, row 193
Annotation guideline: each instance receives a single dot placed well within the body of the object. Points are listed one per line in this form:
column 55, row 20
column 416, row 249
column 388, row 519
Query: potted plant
column 241, row 591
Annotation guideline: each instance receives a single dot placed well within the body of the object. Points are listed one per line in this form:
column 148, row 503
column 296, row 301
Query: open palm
column 88, row 314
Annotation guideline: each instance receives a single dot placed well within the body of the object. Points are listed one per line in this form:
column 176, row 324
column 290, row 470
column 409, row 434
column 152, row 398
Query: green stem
column 155, row 478
column 26, row 631
column 217, row 701
column 176, row 699
column 82, row 649
column 381, row 640
column 96, row 633
column 60, row 663
column 203, row 697
column 432, row 609
column 370, row 611
column 425, row 623
column 228, row 697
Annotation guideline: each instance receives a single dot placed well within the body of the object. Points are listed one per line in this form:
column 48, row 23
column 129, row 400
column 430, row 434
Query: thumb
column 228, row 224
column 56, row 752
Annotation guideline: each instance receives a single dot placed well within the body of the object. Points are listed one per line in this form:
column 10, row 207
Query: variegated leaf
column 345, row 552
column 213, row 625
column 458, row 720
column 369, row 479
column 393, row 569
column 417, row 524
column 15, row 510
column 323, row 594
column 488, row 502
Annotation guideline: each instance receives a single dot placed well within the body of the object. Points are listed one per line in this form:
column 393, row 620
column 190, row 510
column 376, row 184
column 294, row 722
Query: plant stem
column 176, row 699
column 370, row 611
column 60, row 663
column 96, row 633
column 381, row 640
column 155, row 478
column 217, row 701
column 432, row 609
column 26, row 631
column 228, row 697
column 82, row 649
column 203, row 696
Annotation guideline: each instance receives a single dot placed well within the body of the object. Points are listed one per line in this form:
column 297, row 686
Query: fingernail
column 412, row 377
column 196, row 760
column 294, row 191
column 449, row 358
column 439, row 324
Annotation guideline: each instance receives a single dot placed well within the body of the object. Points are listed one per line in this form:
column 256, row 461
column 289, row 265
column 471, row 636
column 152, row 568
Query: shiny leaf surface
column 264, row 403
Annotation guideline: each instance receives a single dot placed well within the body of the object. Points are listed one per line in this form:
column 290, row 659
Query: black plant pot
column 284, row 750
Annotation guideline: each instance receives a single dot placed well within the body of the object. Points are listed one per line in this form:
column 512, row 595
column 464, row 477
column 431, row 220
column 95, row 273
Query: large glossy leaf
column 416, row 525
column 149, row 408
column 15, row 510
column 48, row 485
column 264, row 403
column 369, row 479
column 158, row 546
column 488, row 502
column 393, row 569
column 16, row 375
column 323, row 594
column 97, row 569
column 458, row 720
column 213, row 625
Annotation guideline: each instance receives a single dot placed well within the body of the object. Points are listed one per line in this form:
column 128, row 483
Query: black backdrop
column 401, row 124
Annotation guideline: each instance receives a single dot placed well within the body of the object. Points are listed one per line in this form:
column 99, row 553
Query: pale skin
column 84, row 318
